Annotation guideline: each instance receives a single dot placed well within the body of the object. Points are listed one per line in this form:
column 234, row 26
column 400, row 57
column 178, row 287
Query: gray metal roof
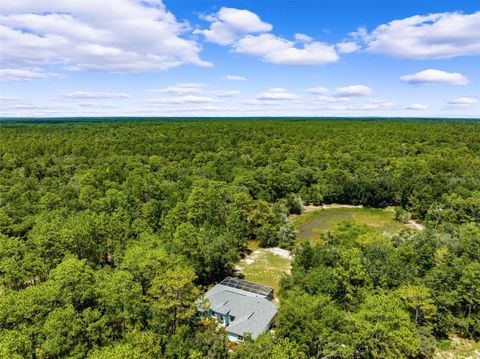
column 253, row 313
column 245, row 285
column 221, row 288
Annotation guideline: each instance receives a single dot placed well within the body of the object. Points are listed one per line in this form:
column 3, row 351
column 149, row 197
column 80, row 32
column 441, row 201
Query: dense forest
column 110, row 231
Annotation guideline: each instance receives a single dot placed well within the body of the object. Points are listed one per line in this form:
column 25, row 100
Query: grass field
column 456, row 347
column 310, row 225
column 264, row 267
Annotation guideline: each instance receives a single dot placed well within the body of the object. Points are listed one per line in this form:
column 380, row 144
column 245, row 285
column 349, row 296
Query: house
column 241, row 306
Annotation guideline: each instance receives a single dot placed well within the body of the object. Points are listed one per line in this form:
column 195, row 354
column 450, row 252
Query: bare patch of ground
column 280, row 252
column 265, row 266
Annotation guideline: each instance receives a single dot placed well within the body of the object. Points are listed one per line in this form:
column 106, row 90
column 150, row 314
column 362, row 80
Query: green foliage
column 419, row 301
column 315, row 323
column 209, row 342
column 62, row 334
column 173, row 296
column 383, row 329
column 14, row 344
column 396, row 294
column 110, row 230
column 269, row 347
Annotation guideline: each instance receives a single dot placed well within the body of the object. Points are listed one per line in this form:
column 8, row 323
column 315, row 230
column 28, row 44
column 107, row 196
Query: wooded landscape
column 111, row 230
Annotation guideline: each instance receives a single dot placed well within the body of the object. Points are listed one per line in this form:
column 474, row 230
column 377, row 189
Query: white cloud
column 94, row 95
column 440, row 35
column 280, row 51
column 432, row 76
column 331, row 99
column 8, row 98
column 341, row 94
column 196, row 110
column 353, row 90
column 190, row 93
column 463, row 101
column 377, row 104
column 347, row 47
column 261, row 102
column 303, row 37
column 190, row 99
column 227, row 93
column 18, row 108
column 247, row 34
column 180, row 89
column 122, row 36
column 370, row 105
column 229, row 23
column 277, row 93
column 318, row 90
column 90, row 104
column 24, row 74
column 235, row 78
column 262, row 45
column 417, row 106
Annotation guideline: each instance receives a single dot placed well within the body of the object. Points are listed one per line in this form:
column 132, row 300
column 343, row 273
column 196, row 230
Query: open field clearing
column 458, row 348
column 265, row 265
column 309, row 225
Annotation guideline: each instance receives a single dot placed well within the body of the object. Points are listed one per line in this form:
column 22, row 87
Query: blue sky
column 240, row 58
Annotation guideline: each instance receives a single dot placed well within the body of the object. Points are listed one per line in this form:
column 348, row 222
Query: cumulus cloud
column 235, row 78
column 432, row 76
column 261, row 102
column 129, row 36
column 180, row 88
column 8, row 98
column 463, row 101
column 262, row 45
column 370, row 105
column 227, row 93
column 205, row 110
column 353, row 90
column 331, row 99
column 20, row 107
column 380, row 104
column 190, row 99
column 247, row 34
column 189, row 93
column 94, row 95
column 318, row 90
column 228, row 24
column 347, row 47
column 277, row 50
column 25, row 74
column 303, row 37
column 340, row 94
column 417, row 106
column 440, row 35
column 277, row 93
